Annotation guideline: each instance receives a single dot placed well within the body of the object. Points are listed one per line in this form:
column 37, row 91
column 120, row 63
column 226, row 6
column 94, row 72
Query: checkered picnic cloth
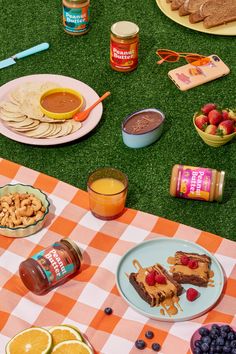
column 81, row 301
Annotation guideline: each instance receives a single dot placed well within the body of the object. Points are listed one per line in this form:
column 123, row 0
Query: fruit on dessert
column 201, row 121
column 72, row 347
column 217, row 339
column 149, row 334
column 35, row 340
column 226, row 127
column 211, row 129
column 108, row 311
column 192, row 294
column 140, row 344
column 62, row 333
column 215, row 117
column 150, row 278
column 215, row 121
column 156, row 347
column 199, row 265
column 208, row 107
column 160, row 279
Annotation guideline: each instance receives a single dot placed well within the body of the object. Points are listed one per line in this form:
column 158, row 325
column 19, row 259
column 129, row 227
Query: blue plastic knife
column 25, row 53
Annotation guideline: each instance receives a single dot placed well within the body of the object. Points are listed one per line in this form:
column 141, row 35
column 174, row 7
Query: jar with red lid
column 51, row 267
column 124, row 46
column 76, row 16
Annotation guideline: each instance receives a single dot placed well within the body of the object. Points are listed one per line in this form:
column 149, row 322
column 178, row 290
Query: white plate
column 88, row 93
column 224, row 30
column 157, row 251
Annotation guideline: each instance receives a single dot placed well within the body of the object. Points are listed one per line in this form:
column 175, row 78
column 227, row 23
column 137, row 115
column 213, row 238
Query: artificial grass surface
column 86, row 58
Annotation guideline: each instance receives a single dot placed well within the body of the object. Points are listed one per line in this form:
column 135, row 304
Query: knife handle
column 33, row 50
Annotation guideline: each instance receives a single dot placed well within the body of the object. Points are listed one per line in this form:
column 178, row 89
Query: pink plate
column 88, row 93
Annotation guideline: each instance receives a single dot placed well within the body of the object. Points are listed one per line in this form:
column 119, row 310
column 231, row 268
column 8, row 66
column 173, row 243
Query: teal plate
column 157, row 251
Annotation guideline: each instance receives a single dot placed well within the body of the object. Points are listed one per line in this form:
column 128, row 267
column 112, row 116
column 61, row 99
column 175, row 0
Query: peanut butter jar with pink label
column 197, row 183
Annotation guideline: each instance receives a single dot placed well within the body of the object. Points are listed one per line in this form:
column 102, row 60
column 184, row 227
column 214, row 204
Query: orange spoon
column 80, row 116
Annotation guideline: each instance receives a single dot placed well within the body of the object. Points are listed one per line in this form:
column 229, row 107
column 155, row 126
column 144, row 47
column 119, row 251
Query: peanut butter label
column 194, row 183
column 55, row 263
column 76, row 20
column 124, row 56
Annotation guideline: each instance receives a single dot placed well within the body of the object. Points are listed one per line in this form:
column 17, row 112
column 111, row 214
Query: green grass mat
column 86, row 58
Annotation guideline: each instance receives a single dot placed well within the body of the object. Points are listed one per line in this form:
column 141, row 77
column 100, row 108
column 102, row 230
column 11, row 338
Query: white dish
column 88, row 93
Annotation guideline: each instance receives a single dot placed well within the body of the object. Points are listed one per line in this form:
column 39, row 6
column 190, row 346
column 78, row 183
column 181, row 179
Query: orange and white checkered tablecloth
column 81, row 301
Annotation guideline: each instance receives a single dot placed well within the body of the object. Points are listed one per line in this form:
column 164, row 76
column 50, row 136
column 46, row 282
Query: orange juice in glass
column 107, row 188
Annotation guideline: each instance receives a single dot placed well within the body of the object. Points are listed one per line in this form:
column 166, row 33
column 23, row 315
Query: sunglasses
column 172, row 56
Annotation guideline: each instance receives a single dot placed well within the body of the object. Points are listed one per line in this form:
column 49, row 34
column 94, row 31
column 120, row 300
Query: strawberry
column 215, row 117
column 192, row 294
column 225, row 114
column 184, row 260
column 150, row 278
column 226, row 127
column 208, row 107
column 211, row 129
column 201, row 121
column 160, row 279
column 193, row 264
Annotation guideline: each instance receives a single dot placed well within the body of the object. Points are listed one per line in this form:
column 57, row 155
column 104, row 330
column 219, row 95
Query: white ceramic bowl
column 30, row 229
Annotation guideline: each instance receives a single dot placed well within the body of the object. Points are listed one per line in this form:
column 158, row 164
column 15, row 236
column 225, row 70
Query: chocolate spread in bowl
column 143, row 122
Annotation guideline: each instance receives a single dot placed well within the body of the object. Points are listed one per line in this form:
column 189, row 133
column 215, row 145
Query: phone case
column 189, row 76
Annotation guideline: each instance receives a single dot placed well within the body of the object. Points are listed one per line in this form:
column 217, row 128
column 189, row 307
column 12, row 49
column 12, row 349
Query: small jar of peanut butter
column 76, row 14
column 124, row 46
column 197, row 183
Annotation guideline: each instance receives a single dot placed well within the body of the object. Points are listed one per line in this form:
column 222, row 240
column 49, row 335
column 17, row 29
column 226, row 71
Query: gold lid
column 75, row 246
column 221, row 186
column 124, row 29
column 78, row 1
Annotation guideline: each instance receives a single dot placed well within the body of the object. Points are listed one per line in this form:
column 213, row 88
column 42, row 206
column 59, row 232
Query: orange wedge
column 72, row 347
column 63, row 333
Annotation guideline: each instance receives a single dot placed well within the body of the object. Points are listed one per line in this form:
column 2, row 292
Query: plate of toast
column 209, row 16
column 170, row 279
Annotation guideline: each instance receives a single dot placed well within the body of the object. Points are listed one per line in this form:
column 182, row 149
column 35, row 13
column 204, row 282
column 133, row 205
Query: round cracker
column 12, row 119
column 9, row 106
column 28, row 127
column 24, row 123
column 40, row 129
column 75, row 125
column 30, row 106
column 11, row 114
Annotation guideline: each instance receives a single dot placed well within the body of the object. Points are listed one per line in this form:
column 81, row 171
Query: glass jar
column 197, row 183
column 76, row 16
column 124, row 46
column 51, row 266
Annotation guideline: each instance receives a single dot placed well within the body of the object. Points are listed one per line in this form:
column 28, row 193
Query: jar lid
column 124, row 29
column 221, row 186
column 77, row 1
column 76, row 248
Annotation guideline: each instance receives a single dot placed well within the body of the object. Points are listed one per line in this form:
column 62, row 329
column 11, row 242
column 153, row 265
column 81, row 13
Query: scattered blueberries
column 218, row 339
column 108, row 310
column 140, row 344
column 149, row 334
column 156, row 347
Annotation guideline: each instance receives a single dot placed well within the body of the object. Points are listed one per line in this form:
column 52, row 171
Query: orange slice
column 72, row 347
column 33, row 340
column 63, row 333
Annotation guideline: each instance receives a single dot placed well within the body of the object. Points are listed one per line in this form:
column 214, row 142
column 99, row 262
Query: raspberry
column 192, row 294
column 193, row 264
column 160, row 279
column 150, row 278
column 184, row 260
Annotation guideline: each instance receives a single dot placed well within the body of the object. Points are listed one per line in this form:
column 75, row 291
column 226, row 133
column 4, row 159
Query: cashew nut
column 36, row 203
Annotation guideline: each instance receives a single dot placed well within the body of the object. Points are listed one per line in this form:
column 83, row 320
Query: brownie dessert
column 154, row 284
column 191, row 268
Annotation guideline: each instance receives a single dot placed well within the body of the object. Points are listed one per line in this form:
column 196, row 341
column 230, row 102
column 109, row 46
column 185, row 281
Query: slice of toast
column 176, row 4
column 190, row 6
column 183, row 274
column 156, row 294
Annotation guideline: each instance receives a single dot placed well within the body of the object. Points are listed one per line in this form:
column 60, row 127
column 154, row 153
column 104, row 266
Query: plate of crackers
column 22, row 120
column 174, row 10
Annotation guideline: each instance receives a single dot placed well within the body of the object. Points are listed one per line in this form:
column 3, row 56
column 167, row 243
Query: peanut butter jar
column 76, row 16
column 124, row 46
column 197, row 183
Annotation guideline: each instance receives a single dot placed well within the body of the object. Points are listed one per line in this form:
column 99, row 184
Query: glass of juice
column 107, row 189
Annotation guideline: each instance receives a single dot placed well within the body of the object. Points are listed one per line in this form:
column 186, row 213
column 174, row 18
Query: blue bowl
column 139, row 140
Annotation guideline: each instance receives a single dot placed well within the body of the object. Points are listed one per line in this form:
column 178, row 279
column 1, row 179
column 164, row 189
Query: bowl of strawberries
column 215, row 126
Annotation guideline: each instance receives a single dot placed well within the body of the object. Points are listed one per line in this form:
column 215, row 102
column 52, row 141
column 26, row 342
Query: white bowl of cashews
column 23, row 210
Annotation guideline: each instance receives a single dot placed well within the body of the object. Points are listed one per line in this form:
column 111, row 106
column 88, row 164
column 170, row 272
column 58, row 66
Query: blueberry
column 231, row 336
column 219, row 348
column 206, row 339
column 225, row 328
column 197, row 350
column 215, row 326
column 213, row 342
column 220, row 341
column 203, row 331
column 156, row 347
column 108, row 310
column 233, row 351
column 205, row 347
column 212, row 350
column 223, row 334
column 226, row 349
column 198, row 343
column 214, row 333
column 227, row 343
column 140, row 344
column 149, row 334
column 233, row 344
